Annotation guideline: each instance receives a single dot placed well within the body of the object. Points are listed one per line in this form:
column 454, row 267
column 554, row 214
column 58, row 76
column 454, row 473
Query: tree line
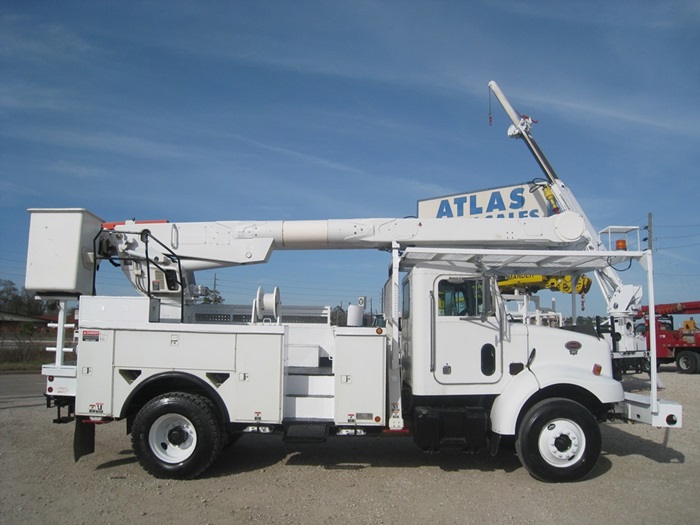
column 18, row 301
column 21, row 343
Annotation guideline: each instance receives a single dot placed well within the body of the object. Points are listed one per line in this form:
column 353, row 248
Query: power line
column 677, row 226
column 677, row 236
column 680, row 246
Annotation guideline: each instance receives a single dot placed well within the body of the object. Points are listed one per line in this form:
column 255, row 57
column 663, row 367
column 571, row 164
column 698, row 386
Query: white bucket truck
column 449, row 365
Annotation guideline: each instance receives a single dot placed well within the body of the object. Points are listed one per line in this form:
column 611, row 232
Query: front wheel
column 176, row 435
column 558, row 440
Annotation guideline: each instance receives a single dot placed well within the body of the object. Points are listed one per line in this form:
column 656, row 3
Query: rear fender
column 170, row 382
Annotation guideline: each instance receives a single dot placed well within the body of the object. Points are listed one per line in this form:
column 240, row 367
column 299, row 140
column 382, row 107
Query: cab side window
column 463, row 298
column 406, row 300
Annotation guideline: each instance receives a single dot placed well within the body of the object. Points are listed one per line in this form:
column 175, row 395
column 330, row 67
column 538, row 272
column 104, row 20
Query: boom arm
column 210, row 245
column 686, row 308
column 620, row 298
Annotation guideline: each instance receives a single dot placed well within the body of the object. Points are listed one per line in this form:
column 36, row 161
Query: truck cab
column 472, row 372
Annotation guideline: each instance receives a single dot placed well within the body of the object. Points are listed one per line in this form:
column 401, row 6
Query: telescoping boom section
column 445, row 362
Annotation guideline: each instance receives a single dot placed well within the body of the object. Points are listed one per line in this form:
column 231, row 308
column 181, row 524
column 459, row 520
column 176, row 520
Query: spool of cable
column 267, row 304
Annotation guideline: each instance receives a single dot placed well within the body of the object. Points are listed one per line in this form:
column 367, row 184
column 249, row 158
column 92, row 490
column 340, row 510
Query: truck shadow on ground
column 618, row 442
column 257, row 452
column 129, row 459
column 253, row 453
column 640, row 381
column 357, row 453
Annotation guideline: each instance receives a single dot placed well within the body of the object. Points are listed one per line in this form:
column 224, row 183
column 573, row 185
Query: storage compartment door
column 360, row 379
column 94, row 373
column 258, row 378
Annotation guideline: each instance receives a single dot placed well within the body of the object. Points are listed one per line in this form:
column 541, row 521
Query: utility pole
column 650, row 235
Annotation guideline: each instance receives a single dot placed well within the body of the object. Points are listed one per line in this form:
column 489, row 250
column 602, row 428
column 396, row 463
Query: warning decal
column 91, row 335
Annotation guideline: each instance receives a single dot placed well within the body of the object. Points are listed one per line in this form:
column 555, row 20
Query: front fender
column 605, row 388
column 508, row 405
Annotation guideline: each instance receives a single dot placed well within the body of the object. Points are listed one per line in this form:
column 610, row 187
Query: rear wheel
column 558, row 440
column 688, row 362
column 176, row 435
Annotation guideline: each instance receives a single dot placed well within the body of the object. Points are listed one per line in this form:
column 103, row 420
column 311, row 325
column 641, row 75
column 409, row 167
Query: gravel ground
column 645, row 475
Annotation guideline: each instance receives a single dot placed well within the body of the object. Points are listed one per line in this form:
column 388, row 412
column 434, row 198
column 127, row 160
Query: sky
column 279, row 110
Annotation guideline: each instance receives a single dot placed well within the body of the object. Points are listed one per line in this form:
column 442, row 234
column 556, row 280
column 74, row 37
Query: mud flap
column 83, row 438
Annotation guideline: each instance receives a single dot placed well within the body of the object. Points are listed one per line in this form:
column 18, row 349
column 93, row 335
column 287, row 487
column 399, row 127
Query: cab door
column 466, row 338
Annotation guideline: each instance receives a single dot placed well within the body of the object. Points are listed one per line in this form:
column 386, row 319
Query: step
column 310, row 385
column 310, row 370
column 309, row 407
column 306, row 431
column 303, row 355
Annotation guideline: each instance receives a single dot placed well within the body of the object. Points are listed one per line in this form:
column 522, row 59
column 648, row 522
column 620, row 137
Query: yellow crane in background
column 534, row 283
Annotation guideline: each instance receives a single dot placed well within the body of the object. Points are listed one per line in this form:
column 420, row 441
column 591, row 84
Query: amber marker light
column 597, row 369
column 380, row 331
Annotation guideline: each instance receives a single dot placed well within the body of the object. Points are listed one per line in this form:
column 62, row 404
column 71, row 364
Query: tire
column 688, row 362
column 558, row 441
column 176, row 435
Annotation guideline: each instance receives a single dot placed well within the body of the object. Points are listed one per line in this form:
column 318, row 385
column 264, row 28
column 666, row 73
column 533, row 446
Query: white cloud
column 100, row 141
column 305, row 158
column 25, row 96
column 75, row 170
column 22, row 39
column 618, row 15
column 10, row 191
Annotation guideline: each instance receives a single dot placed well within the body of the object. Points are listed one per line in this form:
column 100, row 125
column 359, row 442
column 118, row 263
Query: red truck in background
column 681, row 344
